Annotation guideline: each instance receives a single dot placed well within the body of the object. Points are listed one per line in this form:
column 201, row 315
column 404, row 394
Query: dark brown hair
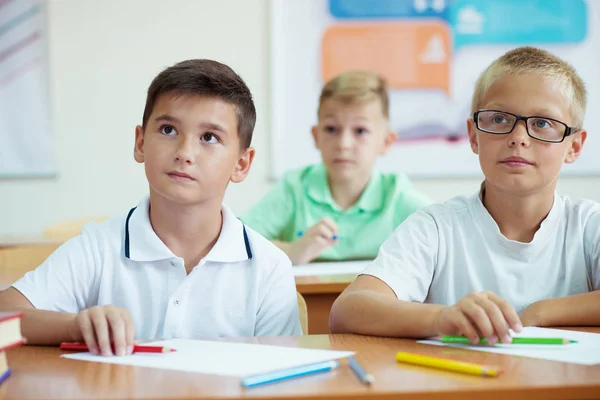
column 206, row 78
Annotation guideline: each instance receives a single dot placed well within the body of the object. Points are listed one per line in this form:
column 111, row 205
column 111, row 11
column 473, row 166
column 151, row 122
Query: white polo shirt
column 243, row 287
column 445, row 251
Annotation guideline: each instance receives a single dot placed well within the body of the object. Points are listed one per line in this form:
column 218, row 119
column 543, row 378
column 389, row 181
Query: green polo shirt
column 302, row 198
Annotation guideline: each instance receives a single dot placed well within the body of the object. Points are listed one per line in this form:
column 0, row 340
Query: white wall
column 103, row 55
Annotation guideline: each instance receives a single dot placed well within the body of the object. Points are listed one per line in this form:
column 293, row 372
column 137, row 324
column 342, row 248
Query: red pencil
column 136, row 348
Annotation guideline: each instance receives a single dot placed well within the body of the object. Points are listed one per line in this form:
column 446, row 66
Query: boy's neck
column 346, row 193
column 190, row 232
column 518, row 216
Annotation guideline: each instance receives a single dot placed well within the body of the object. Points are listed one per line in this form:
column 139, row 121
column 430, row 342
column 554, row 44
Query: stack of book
column 10, row 336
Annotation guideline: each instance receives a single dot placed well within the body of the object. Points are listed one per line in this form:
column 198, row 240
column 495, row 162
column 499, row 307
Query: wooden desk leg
column 319, row 306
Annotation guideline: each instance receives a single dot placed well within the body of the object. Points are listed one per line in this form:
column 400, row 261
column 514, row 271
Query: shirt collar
column 317, row 188
column 544, row 233
column 142, row 244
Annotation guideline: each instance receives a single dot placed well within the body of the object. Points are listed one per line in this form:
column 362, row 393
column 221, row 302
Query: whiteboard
column 26, row 145
column 427, row 108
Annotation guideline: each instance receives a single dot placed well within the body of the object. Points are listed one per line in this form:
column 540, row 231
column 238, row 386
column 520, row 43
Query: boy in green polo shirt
column 341, row 209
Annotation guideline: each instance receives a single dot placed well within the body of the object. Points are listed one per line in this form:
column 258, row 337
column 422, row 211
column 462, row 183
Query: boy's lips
column 342, row 161
column 181, row 176
column 515, row 161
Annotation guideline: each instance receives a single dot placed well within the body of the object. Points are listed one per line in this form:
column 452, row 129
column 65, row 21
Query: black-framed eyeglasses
column 499, row 122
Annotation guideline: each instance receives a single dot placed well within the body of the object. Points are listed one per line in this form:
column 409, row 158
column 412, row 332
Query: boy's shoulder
column 300, row 176
column 456, row 207
column 580, row 209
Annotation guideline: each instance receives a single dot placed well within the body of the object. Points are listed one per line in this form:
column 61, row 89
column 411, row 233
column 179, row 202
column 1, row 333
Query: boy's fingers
column 464, row 326
column 479, row 319
column 496, row 318
column 87, row 331
column 510, row 314
column 129, row 331
column 324, row 232
column 329, row 223
column 117, row 329
column 101, row 329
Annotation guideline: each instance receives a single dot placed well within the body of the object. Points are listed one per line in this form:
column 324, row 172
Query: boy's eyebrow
column 205, row 125
column 166, row 117
column 213, row 127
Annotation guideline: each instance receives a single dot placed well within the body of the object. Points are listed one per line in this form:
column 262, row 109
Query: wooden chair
column 15, row 261
column 67, row 229
column 303, row 313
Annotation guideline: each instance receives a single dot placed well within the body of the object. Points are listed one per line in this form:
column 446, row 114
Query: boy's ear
column 243, row 166
column 575, row 146
column 315, row 134
column 388, row 141
column 138, row 149
column 472, row 131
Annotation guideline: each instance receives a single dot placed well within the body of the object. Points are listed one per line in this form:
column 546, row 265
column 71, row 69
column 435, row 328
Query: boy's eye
column 542, row 123
column 209, row 138
column 499, row 119
column 330, row 129
column 361, row 131
column 168, row 130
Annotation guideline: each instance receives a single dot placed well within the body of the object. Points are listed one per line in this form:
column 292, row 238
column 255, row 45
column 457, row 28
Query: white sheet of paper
column 586, row 351
column 220, row 358
column 330, row 268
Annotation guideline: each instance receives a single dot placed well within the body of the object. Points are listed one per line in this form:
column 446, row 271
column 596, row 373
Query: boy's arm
column 38, row 326
column 369, row 307
column 577, row 310
column 51, row 295
column 580, row 309
column 385, row 299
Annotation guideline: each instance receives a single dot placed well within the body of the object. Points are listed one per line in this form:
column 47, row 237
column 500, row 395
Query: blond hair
column 530, row 60
column 357, row 87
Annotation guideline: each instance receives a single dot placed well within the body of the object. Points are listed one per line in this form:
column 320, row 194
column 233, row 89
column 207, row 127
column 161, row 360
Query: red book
column 10, row 330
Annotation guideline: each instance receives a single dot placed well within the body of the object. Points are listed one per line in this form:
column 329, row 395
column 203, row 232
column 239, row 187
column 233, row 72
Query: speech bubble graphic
column 382, row 9
column 410, row 55
column 518, row 22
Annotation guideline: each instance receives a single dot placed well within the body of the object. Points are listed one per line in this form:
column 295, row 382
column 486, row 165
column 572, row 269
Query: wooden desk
column 320, row 292
column 39, row 373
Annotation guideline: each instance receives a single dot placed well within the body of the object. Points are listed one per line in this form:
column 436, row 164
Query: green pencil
column 515, row 340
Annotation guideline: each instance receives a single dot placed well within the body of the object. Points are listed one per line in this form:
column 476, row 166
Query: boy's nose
column 519, row 136
column 345, row 140
column 184, row 152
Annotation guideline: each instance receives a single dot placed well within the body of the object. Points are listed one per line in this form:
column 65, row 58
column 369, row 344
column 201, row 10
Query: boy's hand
column 481, row 314
column 314, row 241
column 102, row 327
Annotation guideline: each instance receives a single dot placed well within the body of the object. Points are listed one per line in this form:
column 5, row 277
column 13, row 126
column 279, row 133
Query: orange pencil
column 136, row 348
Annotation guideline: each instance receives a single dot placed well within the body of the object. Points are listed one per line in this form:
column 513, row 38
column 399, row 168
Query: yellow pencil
column 448, row 365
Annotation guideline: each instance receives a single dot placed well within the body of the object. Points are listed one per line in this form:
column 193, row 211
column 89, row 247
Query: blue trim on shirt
column 247, row 243
column 127, row 232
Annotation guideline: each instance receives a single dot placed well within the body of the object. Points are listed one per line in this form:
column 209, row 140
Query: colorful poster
column 26, row 145
column 431, row 52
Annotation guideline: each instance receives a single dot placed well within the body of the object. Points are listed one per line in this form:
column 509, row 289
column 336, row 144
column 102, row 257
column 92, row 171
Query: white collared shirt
column 243, row 287
column 445, row 251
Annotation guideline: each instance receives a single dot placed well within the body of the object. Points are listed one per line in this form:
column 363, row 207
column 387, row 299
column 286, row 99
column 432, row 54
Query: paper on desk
column 586, row 351
column 220, row 358
column 330, row 268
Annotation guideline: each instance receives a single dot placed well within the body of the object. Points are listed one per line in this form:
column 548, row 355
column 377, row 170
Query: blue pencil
column 334, row 237
column 360, row 372
column 290, row 373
